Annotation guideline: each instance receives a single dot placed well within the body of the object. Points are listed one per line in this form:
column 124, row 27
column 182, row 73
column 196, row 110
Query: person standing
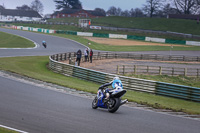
column 91, row 54
column 86, row 54
column 78, row 57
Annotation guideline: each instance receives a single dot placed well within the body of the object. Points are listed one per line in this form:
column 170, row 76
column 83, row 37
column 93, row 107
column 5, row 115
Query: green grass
column 181, row 80
column 13, row 41
column 35, row 67
column 104, row 47
column 157, row 24
column 3, row 130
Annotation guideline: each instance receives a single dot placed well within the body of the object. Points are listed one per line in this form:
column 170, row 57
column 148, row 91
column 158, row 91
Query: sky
column 49, row 5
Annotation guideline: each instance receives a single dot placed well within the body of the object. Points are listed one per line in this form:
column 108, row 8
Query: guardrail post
column 147, row 69
column 197, row 73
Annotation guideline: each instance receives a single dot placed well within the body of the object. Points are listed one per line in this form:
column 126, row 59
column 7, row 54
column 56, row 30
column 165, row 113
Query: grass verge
column 104, row 47
column 13, row 41
column 35, row 67
column 4, row 130
column 181, row 80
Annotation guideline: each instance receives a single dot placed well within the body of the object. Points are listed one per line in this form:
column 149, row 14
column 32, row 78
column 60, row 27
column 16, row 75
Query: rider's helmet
column 116, row 78
column 43, row 41
column 116, row 82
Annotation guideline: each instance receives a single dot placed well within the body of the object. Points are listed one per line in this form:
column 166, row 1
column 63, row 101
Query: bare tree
column 125, row 13
column 187, row 6
column 36, row 5
column 168, row 9
column 137, row 12
column 152, row 6
column 112, row 11
column 68, row 4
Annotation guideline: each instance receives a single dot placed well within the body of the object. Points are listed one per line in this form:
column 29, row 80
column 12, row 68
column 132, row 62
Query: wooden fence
column 158, row 88
column 113, row 55
column 157, row 70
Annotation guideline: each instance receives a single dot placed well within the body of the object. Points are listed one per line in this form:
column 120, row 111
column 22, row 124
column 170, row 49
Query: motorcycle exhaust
column 123, row 102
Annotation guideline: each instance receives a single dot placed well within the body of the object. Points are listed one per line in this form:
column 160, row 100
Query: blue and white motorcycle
column 114, row 101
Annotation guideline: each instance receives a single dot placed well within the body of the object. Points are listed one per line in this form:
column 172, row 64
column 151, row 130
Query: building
column 9, row 15
column 80, row 13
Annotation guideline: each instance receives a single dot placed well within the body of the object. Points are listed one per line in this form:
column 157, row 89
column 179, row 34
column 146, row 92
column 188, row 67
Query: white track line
column 20, row 131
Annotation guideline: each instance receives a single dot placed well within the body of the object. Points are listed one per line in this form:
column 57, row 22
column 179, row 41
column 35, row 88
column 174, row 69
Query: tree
column 36, row 5
column 68, row 4
column 23, row 7
column 136, row 12
column 113, row 11
column 187, row 6
column 152, row 6
column 167, row 9
column 125, row 13
column 101, row 10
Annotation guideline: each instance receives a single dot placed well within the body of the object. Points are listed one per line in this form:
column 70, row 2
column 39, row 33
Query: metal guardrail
column 154, row 87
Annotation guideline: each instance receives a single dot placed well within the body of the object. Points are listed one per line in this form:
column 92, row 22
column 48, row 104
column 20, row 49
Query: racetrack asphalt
column 35, row 109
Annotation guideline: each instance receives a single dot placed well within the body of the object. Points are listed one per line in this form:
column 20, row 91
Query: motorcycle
column 44, row 44
column 114, row 101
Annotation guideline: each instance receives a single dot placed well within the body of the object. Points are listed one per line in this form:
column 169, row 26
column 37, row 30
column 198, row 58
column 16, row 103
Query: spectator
column 91, row 54
column 86, row 54
column 78, row 57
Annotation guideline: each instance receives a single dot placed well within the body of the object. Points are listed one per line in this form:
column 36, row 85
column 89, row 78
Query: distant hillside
column 159, row 24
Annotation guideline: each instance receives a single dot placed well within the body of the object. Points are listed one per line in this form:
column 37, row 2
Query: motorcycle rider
column 115, row 83
column 44, row 44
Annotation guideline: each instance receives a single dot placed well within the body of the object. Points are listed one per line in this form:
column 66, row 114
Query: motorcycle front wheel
column 94, row 103
column 113, row 105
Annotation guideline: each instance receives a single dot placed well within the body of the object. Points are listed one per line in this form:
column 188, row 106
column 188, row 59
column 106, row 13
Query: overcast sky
column 49, row 5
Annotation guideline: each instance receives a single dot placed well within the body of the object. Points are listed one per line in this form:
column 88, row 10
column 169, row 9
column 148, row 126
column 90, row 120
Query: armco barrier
column 154, row 87
column 131, row 37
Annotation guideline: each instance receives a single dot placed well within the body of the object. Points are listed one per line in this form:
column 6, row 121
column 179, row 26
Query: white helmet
column 115, row 78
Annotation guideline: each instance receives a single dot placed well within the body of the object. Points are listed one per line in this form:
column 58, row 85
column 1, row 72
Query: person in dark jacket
column 78, row 57
column 91, row 54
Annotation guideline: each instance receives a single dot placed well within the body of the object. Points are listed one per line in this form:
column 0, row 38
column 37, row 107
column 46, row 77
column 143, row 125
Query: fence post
column 135, row 69
column 69, row 58
column 147, row 69
column 117, row 69
column 123, row 70
column 197, row 73
column 172, row 71
column 160, row 70
column 185, row 72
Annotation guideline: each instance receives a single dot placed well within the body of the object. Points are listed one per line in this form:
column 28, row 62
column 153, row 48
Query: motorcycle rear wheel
column 94, row 103
column 114, row 105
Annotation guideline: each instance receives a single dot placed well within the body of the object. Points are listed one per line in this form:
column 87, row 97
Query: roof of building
column 72, row 11
column 22, row 13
